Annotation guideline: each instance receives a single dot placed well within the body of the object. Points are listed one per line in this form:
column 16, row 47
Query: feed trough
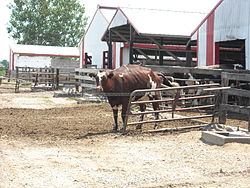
column 223, row 137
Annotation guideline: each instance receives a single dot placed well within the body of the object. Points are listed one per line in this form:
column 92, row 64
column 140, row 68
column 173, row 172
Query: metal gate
column 202, row 92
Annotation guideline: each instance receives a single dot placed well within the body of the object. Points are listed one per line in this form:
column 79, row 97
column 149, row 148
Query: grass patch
column 2, row 72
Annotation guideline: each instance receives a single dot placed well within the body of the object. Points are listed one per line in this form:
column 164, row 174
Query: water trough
column 222, row 137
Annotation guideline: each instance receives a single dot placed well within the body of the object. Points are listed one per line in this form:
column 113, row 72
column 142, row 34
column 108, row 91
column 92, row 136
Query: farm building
column 39, row 56
column 92, row 50
column 151, row 40
column 163, row 37
column 223, row 37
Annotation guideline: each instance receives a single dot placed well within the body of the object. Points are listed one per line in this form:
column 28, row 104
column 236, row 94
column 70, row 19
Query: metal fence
column 208, row 91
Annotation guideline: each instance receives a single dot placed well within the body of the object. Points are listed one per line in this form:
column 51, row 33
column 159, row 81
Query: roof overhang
column 122, row 34
column 53, row 51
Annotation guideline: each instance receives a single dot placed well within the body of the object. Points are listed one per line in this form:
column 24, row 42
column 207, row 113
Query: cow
column 118, row 84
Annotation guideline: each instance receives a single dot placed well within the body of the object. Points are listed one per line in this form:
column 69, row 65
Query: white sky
column 91, row 5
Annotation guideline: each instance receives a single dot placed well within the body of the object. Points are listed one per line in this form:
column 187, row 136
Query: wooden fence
column 195, row 70
column 42, row 78
column 238, row 93
column 83, row 81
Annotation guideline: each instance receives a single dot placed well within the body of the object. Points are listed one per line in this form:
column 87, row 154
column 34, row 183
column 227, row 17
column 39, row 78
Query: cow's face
column 102, row 80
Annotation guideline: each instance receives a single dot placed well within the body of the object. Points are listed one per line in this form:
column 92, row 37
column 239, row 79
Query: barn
column 223, row 37
column 39, row 56
column 163, row 37
column 93, row 51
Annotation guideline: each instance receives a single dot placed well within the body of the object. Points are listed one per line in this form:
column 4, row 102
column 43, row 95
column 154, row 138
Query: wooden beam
column 236, row 76
column 161, row 54
column 165, row 50
column 110, row 50
column 235, row 108
column 188, row 54
column 121, row 36
column 137, row 49
column 131, row 42
column 237, row 92
column 142, row 53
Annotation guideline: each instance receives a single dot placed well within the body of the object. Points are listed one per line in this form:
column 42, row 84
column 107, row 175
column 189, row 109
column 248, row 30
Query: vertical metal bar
column 131, row 40
column 188, row 57
column 127, row 113
column 176, row 99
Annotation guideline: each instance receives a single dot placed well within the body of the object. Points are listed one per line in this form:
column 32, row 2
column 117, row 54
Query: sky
column 203, row 6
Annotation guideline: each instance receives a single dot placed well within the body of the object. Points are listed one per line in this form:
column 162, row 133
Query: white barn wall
column 125, row 57
column 92, row 39
column 32, row 61
column 118, row 54
column 202, row 45
column 231, row 22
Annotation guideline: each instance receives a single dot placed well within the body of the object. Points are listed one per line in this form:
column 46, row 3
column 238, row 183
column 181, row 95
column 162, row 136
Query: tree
column 4, row 63
column 47, row 22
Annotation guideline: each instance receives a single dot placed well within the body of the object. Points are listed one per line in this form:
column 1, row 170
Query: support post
column 110, row 50
column 222, row 112
column 131, row 40
column 188, row 55
column 57, row 78
column 161, row 54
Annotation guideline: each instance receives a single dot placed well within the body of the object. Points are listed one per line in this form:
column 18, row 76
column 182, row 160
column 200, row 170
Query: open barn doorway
column 232, row 54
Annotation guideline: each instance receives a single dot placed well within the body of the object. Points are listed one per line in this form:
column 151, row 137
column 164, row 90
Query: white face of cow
column 99, row 79
column 102, row 80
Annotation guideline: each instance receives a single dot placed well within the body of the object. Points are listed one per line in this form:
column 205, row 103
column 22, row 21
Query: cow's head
column 103, row 80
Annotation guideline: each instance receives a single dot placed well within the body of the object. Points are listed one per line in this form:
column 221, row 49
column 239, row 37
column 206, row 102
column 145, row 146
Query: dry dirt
column 49, row 142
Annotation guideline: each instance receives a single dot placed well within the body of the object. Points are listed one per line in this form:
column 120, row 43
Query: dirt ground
column 53, row 142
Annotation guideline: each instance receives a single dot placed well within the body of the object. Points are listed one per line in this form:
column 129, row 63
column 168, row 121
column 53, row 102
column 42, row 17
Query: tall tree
column 47, row 22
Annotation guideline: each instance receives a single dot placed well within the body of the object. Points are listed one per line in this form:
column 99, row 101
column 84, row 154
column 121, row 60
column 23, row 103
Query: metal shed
column 149, row 31
column 223, row 37
column 38, row 56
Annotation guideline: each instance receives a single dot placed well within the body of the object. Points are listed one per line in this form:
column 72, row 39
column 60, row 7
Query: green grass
column 2, row 72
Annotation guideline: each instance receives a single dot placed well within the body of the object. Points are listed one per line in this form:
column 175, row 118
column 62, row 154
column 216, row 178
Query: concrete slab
column 220, row 138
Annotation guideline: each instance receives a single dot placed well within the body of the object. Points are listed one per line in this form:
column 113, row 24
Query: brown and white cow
column 119, row 83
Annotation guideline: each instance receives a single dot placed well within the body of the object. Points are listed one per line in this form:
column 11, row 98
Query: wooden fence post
column 17, row 82
column 222, row 112
column 77, row 73
column 57, row 78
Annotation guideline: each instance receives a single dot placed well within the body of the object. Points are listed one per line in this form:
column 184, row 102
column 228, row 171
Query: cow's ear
column 111, row 74
column 92, row 75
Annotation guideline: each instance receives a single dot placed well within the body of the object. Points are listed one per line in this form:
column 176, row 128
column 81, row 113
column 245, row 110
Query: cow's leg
column 123, row 114
column 142, row 108
column 115, row 115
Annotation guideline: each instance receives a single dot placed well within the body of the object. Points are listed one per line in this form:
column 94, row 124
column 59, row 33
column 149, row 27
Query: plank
column 237, row 92
column 235, row 108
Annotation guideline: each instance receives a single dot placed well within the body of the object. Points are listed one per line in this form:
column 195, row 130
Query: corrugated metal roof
column 45, row 50
column 154, row 21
